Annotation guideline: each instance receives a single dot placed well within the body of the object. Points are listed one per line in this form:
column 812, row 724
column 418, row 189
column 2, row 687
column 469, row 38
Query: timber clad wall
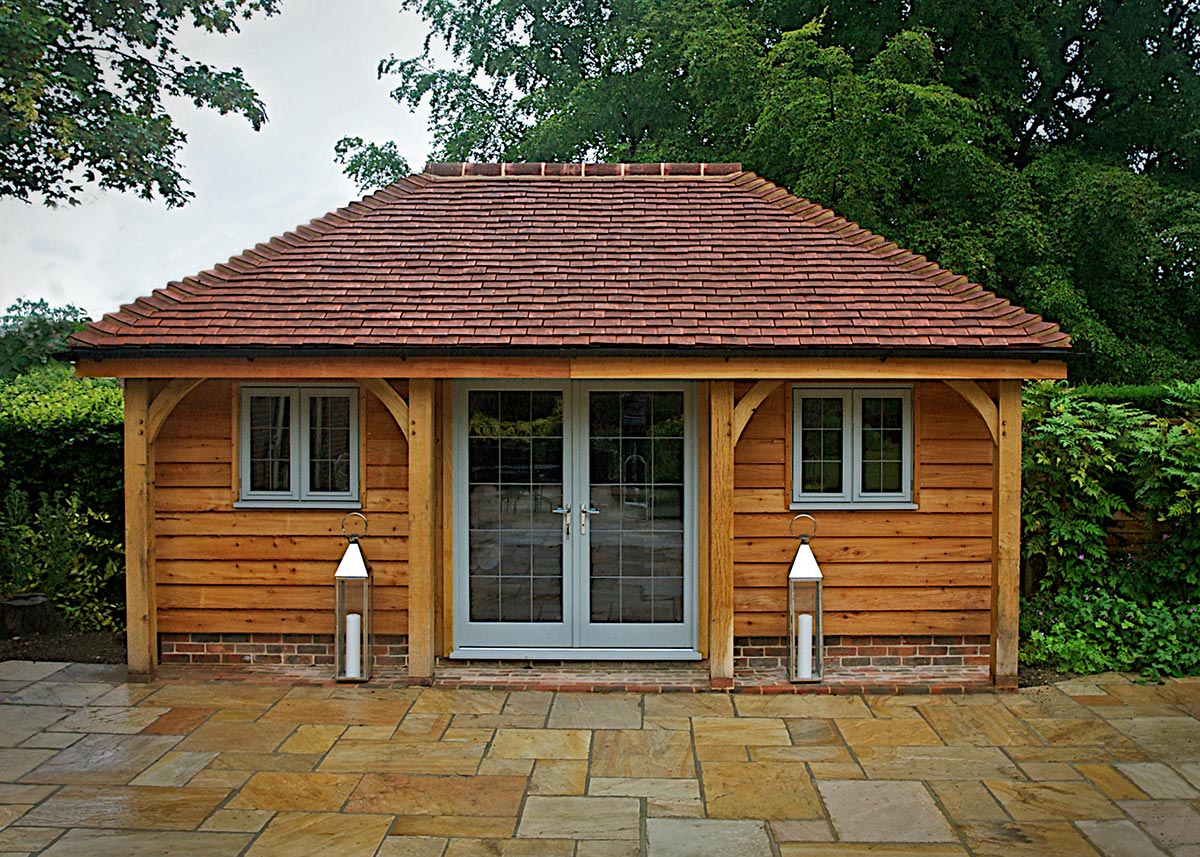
column 886, row 573
column 226, row 570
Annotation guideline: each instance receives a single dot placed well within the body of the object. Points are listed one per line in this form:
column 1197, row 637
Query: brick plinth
column 391, row 652
column 849, row 653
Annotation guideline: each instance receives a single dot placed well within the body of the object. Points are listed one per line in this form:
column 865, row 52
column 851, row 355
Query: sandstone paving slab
column 1040, row 771
column 801, row 830
column 237, row 737
column 498, row 721
column 219, row 779
column 112, row 759
column 642, row 753
column 871, row 811
column 312, row 739
column 580, row 818
column 412, row 846
column 1027, row 839
column 122, row 843
column 179, row 721
column 559, row 777
column 437, row 701
column 69, row 694
column 725, row 752
column 706, row 837
column 25, row 839
column 1086, row 754
column 1065, row 732
column 837, row 771
column 119, row 720
column 29, row 671
column 423, row 727
column 936, row 763
column 19, row 793
column 132, row 807
column 236, row 715
column 683, row 706
column 1158, row 780
column 467, row 733
column 397, row 758
column 399, row 794
column 887, row 707
column 125, row 694
column 297, row 833
column 174, row 769
column 1052, row 801
column 647, row 787
column 216, row 695
column 868, row 849
column 608, row 848
column 299, row 792
column 238, row 820
column 979, row 726
column 812, row 731
column 343, row 712
column 759, row 790
column 1120, row 838
column 1190, row 771
column 506, row 767
column 371, row 733
column 19, row 723
column 533, row 848
column 541, row 744
column 966, row 801
column 1168, row 739
column 596, row 711
column 741, row 731
column 802, row 705
column 803, row 753
column 888, row 733
column 1045, row 702
column 466, row 826
column 10, row 812
column 17, row 762
column 250, row 762
column 1173, row 823
column 1110, row 781
column 528, row 702
column 52, row 740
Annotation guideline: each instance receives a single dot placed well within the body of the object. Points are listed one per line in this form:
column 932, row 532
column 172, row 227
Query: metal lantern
column 353, row 639
column 806, row 637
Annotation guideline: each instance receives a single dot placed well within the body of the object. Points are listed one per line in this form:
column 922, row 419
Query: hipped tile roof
column 620, row 257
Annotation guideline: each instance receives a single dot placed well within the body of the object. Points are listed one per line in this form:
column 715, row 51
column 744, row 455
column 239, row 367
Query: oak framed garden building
column 579, row 405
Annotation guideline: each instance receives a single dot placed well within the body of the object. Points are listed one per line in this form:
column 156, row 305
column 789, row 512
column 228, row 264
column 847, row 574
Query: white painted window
column 299, row 446
column 851, row 447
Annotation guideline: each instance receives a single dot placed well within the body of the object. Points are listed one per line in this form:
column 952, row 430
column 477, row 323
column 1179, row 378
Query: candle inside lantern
column 353, row 645
column 804, row 658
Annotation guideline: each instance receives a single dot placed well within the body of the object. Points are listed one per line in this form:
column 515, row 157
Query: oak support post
column 423, row 467
column 141, row 624
column 720, row 481
column 1006, row 537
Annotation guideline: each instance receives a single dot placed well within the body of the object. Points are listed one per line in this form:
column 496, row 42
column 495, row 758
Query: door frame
column 467, row 641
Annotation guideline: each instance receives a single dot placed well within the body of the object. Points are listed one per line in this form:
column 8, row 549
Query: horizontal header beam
column 583, row 368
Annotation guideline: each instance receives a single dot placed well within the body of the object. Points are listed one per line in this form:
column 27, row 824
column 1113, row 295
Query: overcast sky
column 314, row 66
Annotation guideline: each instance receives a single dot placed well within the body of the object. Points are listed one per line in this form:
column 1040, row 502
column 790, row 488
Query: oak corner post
column 141, row 620
column 1006, row 537
column 721, row 440
column 423, row 466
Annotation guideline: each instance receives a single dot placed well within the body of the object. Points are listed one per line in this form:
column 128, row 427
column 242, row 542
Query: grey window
column 299, row 445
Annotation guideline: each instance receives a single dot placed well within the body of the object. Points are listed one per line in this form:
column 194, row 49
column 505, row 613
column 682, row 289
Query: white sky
column 314, row 67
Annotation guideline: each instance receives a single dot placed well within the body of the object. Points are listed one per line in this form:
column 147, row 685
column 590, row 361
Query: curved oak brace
column 982, row 403
column 746, row 406
column 392, row 400
column 165, row 402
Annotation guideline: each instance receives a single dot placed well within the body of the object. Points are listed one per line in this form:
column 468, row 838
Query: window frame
column 852, row 495
column 301, row 494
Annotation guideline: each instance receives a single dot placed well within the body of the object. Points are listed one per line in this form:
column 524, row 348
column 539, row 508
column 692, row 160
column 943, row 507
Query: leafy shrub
column 56, row 551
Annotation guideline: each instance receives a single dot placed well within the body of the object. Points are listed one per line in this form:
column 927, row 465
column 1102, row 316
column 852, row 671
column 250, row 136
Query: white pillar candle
column 353, row 645
column 804, row 657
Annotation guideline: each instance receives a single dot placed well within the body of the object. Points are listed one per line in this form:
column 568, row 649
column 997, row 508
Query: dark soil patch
column 89, row 647
column 1037, row 677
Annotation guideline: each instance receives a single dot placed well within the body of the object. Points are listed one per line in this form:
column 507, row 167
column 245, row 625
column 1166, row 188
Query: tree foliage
column 31, row 331
column 1045, row 149
column 82, row 84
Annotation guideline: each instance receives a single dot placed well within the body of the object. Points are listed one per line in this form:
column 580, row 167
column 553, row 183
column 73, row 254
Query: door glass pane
column 514, row 472
column 637, row 482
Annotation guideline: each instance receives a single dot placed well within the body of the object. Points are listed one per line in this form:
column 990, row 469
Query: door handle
column 585, row 510
column 565, row 511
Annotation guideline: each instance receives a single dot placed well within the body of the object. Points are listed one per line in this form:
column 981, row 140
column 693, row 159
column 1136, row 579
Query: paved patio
column 90, row 765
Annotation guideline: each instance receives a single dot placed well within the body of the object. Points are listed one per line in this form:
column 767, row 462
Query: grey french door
column 574, row 520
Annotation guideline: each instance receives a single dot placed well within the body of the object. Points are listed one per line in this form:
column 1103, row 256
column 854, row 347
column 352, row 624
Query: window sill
column 862, row 506
column 353, row 505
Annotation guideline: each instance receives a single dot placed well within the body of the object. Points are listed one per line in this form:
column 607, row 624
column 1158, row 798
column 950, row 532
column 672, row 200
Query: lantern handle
column 804, row 539
column 354, row 537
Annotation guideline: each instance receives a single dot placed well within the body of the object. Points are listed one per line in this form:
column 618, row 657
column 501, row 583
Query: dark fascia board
column 881, row 354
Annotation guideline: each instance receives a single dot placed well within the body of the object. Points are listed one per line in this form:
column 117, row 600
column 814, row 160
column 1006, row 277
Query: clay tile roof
column 576, row 256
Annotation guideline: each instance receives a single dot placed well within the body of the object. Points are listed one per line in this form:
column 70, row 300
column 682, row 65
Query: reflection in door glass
column 514, row 471
column 636, row 468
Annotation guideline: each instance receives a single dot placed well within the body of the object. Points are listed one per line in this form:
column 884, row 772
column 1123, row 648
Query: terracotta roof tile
column 577, row 255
